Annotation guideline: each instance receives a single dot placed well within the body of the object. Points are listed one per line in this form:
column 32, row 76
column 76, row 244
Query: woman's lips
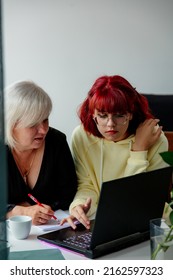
column 111, row 132
column 39, row 139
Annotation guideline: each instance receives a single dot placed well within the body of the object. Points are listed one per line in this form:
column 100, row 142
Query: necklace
column 24, row 171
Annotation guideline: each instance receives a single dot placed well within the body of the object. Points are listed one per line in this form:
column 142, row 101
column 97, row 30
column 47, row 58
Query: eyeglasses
column 102, row 119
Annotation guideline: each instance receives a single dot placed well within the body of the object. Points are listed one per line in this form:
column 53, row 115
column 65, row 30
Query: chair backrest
column 162, row 107
column 169, row 135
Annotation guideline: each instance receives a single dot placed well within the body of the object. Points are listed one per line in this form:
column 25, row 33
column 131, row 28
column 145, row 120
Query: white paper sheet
column 55, row 224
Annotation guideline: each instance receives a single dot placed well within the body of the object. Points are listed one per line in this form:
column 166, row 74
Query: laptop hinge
column 117, row 244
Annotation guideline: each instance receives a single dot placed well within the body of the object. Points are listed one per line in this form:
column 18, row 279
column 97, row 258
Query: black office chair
column 162, row 108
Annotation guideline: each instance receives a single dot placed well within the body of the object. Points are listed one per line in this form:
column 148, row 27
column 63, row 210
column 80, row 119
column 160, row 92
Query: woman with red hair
column 118, row 137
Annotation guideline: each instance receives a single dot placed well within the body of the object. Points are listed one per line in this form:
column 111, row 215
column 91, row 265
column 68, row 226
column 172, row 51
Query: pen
column 36, row 201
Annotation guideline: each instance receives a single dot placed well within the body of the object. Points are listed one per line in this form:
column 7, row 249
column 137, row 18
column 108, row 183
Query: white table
column 137, row 252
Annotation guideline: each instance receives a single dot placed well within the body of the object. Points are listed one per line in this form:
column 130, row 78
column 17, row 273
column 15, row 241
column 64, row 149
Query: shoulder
column 163, row 138
column 78, row 131
column 55, row 135
column 161, row 144
column 79, row 135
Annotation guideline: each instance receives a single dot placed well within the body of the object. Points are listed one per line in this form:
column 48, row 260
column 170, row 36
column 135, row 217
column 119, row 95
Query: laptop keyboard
column 80, row 241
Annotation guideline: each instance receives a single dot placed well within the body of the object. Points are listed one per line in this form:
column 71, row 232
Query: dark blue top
column 56, row 184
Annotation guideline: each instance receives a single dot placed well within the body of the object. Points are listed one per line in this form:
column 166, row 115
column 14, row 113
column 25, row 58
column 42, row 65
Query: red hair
column 113, row 94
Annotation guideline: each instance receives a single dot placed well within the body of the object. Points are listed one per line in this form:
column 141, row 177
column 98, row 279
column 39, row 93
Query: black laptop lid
column 125, row 208
column 127, row 204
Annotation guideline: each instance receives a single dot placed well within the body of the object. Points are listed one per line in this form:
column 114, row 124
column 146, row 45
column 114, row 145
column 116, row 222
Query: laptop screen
column 127, row 204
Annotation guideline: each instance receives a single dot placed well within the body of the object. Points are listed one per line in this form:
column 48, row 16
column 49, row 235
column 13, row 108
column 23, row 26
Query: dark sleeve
column 68, row 179
column 57, row 182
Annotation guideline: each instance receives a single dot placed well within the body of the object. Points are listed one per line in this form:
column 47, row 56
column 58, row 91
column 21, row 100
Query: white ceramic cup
column 20, row 226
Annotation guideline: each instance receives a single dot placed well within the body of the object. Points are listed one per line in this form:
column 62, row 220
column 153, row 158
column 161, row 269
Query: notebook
column 125, row 207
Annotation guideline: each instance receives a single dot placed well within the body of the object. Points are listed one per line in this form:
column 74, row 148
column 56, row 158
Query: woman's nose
column 110, row 121
column 42, row 128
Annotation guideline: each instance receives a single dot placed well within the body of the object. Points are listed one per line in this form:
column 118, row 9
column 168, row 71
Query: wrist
column 138, row 148
column 18, row 210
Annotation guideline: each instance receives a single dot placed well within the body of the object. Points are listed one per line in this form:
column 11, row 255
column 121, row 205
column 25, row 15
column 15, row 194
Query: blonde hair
column 26, row 104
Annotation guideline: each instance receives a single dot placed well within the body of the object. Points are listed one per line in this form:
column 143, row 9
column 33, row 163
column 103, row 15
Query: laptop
column 125, row 207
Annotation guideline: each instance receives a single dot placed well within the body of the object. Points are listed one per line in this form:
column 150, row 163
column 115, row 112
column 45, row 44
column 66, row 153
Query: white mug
column 20, row 226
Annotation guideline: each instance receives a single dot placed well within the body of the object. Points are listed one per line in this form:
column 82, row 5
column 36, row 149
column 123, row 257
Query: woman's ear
column 94, row 115
column 130, row 116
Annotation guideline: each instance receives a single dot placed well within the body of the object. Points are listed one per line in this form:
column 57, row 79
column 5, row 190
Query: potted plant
column 164, row 242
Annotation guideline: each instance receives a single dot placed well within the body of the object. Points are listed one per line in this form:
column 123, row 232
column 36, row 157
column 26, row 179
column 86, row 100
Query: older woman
column 39, row 158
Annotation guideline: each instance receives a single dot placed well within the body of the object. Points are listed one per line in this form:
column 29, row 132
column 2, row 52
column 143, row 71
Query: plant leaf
column 171, row 217
column 167, row 157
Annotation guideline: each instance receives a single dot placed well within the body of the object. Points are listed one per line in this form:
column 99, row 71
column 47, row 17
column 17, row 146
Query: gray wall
column 64, row 45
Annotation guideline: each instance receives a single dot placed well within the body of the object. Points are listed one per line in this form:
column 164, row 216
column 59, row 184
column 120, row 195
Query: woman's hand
column 79, row 213
column 147, row 134
column 40, row 215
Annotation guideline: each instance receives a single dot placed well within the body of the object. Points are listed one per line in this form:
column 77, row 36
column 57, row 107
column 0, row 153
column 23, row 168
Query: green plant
column 168, row 158
column 167, row 242
column 164, row 245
